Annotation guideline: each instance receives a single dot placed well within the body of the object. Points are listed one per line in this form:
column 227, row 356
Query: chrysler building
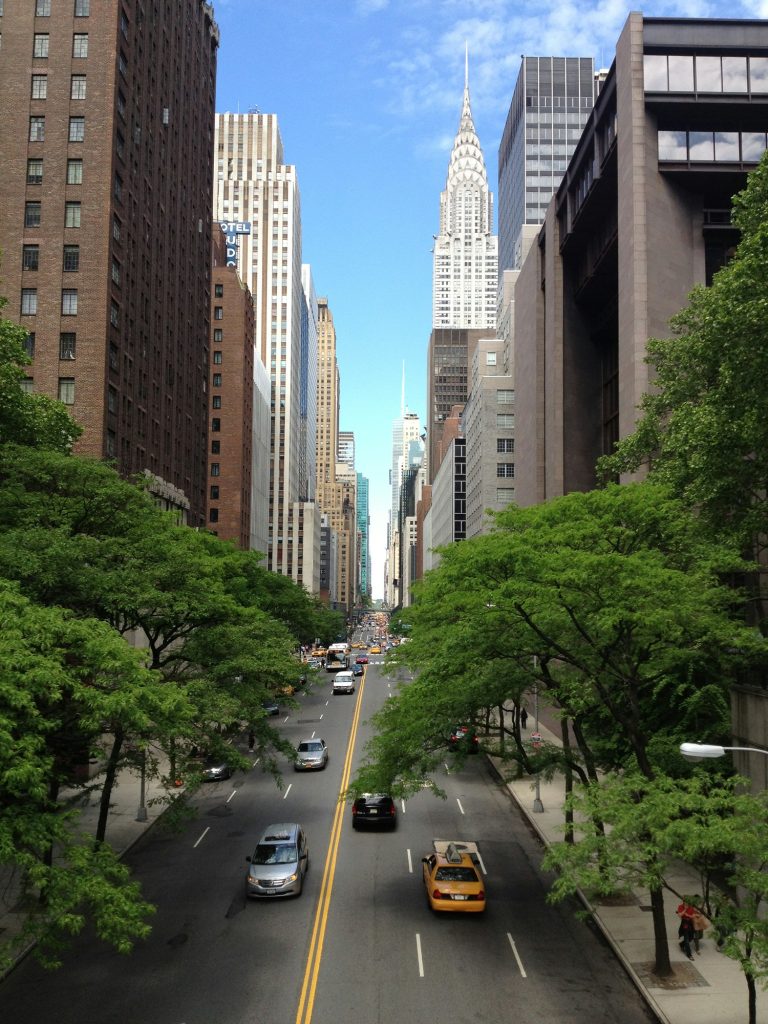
column 465, row 275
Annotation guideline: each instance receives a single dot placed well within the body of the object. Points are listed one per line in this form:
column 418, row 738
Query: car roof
column 280, row 833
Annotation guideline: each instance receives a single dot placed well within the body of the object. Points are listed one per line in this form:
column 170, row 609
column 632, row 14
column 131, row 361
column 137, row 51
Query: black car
column 463, row 737
column 374, row 810
column 358, row 670
column 270, row 706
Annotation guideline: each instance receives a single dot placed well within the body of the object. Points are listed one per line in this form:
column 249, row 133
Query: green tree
column 704, row 427
column 60, row 676
column 33, row 420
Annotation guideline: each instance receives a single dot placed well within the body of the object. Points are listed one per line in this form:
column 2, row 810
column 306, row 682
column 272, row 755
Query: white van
column 344, row 682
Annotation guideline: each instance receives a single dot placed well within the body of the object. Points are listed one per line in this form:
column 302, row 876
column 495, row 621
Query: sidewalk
column 709, row 990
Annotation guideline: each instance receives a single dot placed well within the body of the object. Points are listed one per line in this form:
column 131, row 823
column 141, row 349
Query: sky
column 368, row 95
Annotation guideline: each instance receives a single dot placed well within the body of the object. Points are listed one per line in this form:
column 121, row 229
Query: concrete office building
column 406, row 430
column 256, row 194
column 489, row 428
column 308, row 388
column 447, row 515
column 364, row 534
column 550, row 106
column 105, row 224
column 346, row 448
column 450, row 353
column 231, row 397
column 641, row 216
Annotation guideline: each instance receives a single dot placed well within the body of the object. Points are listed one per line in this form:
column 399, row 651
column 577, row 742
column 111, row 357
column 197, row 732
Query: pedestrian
column 700, row 925
column 685, row 934
column 523, row 717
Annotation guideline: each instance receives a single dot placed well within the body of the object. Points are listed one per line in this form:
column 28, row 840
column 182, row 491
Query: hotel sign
column 231, row 229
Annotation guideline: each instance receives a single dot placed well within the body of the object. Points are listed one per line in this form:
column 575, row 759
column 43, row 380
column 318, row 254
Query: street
column 360, row 945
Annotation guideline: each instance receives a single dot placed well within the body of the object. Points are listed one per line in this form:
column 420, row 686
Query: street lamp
column 538, row 806
column 699, row 751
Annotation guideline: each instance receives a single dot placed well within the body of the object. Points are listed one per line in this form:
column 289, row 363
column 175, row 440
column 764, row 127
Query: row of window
column 43, row 8
column 30, row 260
column 41, row 45
column 35, row 171
column 66, row 389
column 67, row 345
column 711, row 147
column 77, row 87
column 68, row 301
column 37, row 129
column 699, row 73
column 33, row 214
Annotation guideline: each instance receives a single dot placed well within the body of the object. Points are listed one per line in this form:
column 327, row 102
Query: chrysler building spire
column 465, row 274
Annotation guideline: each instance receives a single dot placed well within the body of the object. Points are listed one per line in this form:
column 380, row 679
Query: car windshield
column 310, row 747
column 455, row 874
column 269, row 853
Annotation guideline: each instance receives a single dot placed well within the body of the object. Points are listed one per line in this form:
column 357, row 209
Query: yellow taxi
column 375, row 649
column 452, row 882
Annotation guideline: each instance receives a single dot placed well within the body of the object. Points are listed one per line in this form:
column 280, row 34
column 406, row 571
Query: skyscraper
column 363, row 530
column 105, row 224
column 258, row 194
column 550, row 106
column 465, row 266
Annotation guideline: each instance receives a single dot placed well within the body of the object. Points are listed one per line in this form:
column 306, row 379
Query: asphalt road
column 360, row 945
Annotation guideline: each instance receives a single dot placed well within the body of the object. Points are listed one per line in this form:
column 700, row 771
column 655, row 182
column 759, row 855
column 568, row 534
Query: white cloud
column 371, row 6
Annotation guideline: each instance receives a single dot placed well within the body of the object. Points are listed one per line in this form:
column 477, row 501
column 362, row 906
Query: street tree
column 60, row 677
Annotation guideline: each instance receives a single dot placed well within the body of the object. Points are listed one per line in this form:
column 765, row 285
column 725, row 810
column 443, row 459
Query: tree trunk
column 109, row 784
column 586, row 753
column 662, row 967
column 501, row 730
column 752, row 996
column 568, row 773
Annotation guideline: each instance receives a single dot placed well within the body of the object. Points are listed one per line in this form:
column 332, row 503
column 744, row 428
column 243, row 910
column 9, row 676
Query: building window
column 82, row 8
column 111, row 444
column 214, row 469
column 217, row 358
column 29, row 346
column 114, row 314
column 216, row 376
column 42, row 8
column 118, row 188
column 114, row 359
column 216, row 402
column 74, row 172
column 71, row 258
column 67, row 341
column 39, row 87
column 69, row 302
column 215, row 424
column 34, row 171
column 122, row 64
column 215, row 492
column 116, row 272
column 37, row 129
column 77, row 129
column 504, row 495
column 490, row 358
column 218, row 334
column 505, row 444
column 214, row 515
column 505, row 469
column 29, row 301
column 218, row 291
column 505, row 397
column 32, row 215
column 112, row 399
column 215, row 447
column 27, row 385
column 77, row 87
column 67, row 390
column 40, row 45
column 218, row 312
column 80, row 44
column 117, row 228
column 30, row 257
column 71, row 215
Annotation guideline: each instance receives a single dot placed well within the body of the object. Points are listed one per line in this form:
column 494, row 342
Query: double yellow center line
column 309, row 985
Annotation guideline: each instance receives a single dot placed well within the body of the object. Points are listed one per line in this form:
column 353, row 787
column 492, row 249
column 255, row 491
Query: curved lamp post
column 699, row 751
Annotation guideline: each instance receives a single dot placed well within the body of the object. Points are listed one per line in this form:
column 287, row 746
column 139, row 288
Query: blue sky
column 368, row 96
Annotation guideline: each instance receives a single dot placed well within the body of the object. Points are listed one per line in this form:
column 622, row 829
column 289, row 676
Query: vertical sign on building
column 231, row 230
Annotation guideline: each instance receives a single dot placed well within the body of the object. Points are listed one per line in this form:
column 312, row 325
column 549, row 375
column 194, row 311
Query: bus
column 337, row 657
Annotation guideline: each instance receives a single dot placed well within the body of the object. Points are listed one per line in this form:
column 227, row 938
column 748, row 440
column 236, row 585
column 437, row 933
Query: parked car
column 311, row 754
column 270, row 706
column 279, row 863
column 452, row 882
column 344, row 682
column 374, row 810
column 463, row 737
column 214, row 769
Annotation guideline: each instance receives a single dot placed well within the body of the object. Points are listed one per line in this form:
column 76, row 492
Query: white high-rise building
column 465, row 267
column 256, row 197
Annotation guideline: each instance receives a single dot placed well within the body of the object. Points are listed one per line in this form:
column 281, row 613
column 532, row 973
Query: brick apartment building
column 231, row 396
column 105, row 223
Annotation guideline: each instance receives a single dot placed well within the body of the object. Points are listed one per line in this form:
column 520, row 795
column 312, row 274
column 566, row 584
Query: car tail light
column 436, row 894
column 354, row 810
column 481, row 894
